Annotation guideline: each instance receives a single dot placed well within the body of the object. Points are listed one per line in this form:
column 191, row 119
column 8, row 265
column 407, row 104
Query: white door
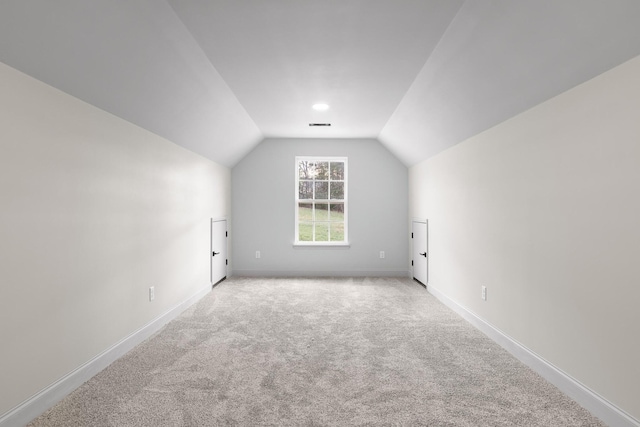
column 218, row 251
column 419, row 237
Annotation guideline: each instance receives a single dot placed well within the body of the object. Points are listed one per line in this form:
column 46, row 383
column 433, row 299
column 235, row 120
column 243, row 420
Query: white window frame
column 345, row 201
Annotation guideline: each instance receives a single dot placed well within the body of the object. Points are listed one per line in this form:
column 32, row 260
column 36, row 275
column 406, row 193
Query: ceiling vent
column 319, row 124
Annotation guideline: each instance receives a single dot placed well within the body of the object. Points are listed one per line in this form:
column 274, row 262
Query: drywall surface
column 94, row 211
column 544, row 211
column 263, row 204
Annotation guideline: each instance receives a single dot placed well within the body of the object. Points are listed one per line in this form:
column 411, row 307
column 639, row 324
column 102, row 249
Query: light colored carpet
column 317, row 352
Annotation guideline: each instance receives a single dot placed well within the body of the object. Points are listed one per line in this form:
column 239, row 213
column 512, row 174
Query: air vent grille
column 319, row 124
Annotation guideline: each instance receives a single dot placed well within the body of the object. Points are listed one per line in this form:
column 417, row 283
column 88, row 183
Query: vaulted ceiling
column 219, row 76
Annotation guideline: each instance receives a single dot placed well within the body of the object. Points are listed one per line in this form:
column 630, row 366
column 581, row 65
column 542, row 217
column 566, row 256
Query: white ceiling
column 219, row 76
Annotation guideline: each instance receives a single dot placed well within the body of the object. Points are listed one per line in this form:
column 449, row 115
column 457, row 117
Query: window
column 321, row 200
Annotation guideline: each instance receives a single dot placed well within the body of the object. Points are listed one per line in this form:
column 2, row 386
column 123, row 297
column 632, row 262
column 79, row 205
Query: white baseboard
column 46, row 398
column 328, row 273
column 590, row 400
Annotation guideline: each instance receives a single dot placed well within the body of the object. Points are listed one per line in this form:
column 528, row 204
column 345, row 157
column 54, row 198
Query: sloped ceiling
column 219, row 76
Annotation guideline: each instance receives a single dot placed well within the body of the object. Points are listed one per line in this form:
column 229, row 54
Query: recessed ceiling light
column 320, row 107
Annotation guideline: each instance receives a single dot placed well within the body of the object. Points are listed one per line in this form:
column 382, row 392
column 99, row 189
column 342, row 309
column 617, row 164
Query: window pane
column 305, row 190
column 306, row 169
column 337, row 170
column 304, row 212
column 322, row 212
column 322, row 170
column 337, row 231
column 321, row 200
column 305, row 232
column 322, row 190
column 337, row 212
column 322, row 232
column 337, row 190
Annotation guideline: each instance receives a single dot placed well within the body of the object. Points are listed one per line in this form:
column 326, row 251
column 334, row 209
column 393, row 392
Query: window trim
column 342, row 244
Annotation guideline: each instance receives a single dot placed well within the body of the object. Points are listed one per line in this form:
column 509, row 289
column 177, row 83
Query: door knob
column 424, row 254
column 215, row 253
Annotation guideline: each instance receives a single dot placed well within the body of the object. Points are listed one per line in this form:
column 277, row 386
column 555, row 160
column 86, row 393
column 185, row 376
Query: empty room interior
column 476, row 159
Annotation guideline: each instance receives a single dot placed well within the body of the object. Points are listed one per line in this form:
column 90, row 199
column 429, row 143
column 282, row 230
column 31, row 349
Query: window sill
column 321, row 245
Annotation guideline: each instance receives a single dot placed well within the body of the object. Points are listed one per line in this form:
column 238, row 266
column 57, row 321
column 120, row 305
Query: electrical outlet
column 257, row 254
column 152, row 293
column 484, row 293
column 381, row 254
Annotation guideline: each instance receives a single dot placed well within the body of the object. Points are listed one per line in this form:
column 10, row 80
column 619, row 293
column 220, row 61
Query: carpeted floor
column 317, row 352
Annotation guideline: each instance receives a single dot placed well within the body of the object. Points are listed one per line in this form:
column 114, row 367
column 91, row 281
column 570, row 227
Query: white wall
column 263, row 191
column 94, row 211
column 544, row 210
